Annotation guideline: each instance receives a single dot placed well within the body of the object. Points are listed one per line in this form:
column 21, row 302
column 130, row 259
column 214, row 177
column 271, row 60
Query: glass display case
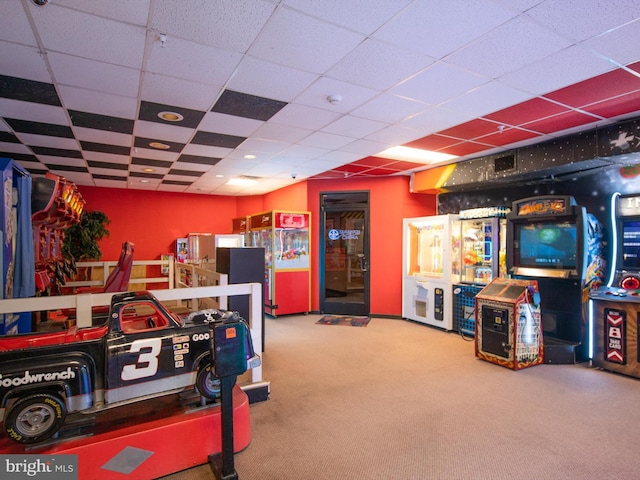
column 427, row 265
column 285, row 239
column 478, row 256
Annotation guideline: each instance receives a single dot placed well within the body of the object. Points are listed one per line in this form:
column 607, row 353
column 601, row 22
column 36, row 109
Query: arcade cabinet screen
column 546, row 245
column 631, row 245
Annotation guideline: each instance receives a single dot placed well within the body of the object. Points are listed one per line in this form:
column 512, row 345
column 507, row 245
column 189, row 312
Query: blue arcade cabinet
column 17, row 259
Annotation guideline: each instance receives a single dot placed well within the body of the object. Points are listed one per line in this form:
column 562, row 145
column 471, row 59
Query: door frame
column 345, row 308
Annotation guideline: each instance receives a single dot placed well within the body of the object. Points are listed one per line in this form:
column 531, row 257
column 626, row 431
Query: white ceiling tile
column 91, row 101
column 70, row 162
column 299, row 152
column 270, row 80
column 508, row 48
column 106, row 157
column 90, row 36
column 304, row 117
column 486, row 99
column 571, row 65
column 122, row 10
column 364, row 16
column 350, row 95
column 154, row 154
column 258, row 145
column 355, row 127
column 619, row 45
column 93, row 75
column 15, row 25
column 437, row 28
column 228, row 24
column 435, row 119
column 338, row 157
column 79, row 178
column 102, row 136
column 389, row 108
column 192, row 61
column 265, row 169
column 378, row 65
column 302, row 42
column 283, row 133
column 439, row 82
column 206, row 151
column 366, row 147
column 326, row 140
column 172, row 133
column 35, row 112
column 395, row 135
column 587, row 17
column 99, row 182
column 15, row 148
column 229, row 124
column 23, row 61
column 167, row 90
column 108, row 171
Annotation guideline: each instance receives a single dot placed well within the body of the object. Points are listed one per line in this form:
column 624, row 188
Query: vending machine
column 287, row 279
column 478, row 256
column 426, row 276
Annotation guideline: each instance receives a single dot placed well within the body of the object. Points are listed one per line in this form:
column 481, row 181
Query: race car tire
column 207, row 383
column 35, row 418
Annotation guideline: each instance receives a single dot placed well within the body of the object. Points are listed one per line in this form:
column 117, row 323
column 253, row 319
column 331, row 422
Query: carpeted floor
column 344, row 320
column 410, row 402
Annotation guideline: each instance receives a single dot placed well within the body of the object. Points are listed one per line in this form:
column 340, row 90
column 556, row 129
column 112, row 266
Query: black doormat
column 346, row 320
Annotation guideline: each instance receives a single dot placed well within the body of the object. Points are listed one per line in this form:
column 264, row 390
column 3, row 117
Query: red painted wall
column 390, row 201
column 153, row 221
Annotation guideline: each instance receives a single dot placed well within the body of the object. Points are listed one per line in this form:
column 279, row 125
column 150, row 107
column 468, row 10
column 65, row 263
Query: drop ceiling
column 181, row 96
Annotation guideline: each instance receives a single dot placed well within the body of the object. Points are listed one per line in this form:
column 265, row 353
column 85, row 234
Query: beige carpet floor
column 400, row 400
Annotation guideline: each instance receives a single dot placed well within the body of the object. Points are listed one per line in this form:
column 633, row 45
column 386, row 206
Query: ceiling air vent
column 504, row 164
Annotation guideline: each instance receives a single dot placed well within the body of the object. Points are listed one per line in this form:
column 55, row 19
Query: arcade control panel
column 616, row 294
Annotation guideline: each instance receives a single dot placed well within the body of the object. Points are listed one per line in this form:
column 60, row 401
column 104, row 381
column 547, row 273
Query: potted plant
column 81, row 239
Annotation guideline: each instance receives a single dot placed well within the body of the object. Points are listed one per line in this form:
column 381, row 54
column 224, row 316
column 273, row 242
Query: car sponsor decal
column 27, row 377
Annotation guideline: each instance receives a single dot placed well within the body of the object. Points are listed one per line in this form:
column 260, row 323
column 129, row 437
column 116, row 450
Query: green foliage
column 81, row 240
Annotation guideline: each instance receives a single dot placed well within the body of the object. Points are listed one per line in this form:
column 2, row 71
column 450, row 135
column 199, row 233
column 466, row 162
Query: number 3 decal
column 139, row 369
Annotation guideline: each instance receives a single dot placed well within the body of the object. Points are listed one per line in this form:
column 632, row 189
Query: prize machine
column 615, row 308
column 426, row 279
column 16, row 261
column 508, row 324
column 240, row 226
column 287, row 279
column 478, row 256
column 553, row 240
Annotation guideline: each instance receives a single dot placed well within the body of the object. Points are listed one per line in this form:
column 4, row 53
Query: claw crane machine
column 426, row 279
column 478, row 256
column 285, row 239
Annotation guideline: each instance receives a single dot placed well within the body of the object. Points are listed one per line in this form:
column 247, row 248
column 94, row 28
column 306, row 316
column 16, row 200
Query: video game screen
column 631, row 245
column 546, row 245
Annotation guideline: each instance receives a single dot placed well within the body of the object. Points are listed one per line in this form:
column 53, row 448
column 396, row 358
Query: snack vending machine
column 478, row 256
column 287, row 280
column 426, row 279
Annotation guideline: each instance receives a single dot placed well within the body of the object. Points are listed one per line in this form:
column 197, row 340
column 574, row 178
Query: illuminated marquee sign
column 543, row 206
column 629, row 206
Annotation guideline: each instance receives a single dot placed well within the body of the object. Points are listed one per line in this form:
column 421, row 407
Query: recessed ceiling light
column 144, row 181
column 171, row 116
column 159, row 145
column 249, row 157
column 219, row 176
column 414, row 155
column 148, row 170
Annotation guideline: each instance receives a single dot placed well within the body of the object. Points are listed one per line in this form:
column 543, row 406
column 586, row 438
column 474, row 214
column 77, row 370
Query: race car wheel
column 35, row 418
column 207, row 383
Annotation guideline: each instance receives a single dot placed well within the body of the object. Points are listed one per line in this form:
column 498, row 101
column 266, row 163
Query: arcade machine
column 553, row 240
column 287, row 279
column 426, row 276
column 508, row 324
column 479, row 256
column 615, row 308
column 16, row 244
